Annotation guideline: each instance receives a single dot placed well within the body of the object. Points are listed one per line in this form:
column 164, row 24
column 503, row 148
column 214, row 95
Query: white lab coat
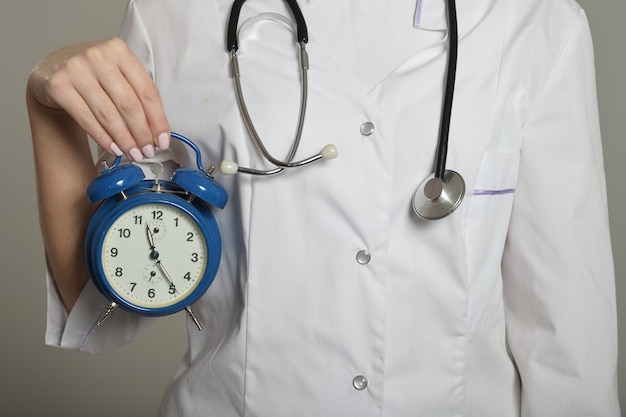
column 504, row 308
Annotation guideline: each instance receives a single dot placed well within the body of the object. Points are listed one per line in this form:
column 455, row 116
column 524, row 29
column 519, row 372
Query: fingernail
column 135, row 154
column 148, row 151
column 116, row 149
column 164, row 140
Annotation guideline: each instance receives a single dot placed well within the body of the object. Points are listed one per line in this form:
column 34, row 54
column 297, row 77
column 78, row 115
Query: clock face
column 153, row 255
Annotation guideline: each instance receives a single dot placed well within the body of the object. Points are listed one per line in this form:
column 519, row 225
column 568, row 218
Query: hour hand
column 150, row 236
column 154, row 254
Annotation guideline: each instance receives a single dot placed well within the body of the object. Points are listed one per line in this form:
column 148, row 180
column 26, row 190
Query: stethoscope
column 436, row 197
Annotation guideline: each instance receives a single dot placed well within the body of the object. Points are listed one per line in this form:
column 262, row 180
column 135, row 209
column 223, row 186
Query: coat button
column 363, row 257
column 367, row 129
column 359, row 382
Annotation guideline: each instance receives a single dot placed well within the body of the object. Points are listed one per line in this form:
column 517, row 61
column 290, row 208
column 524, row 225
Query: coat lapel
column 342, row 27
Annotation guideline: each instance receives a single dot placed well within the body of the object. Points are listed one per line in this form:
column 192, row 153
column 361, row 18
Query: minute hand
column 162, row 268
column 169, row 280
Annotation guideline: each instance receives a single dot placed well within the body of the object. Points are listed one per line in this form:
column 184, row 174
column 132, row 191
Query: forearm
column 97, row 88
column 64, row 168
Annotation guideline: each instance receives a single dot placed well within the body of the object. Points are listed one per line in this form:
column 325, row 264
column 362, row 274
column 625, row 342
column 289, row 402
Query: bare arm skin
column 100, row 89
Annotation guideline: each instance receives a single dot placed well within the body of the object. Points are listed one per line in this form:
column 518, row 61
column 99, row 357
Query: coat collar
column 343, row 27
column 431, row 14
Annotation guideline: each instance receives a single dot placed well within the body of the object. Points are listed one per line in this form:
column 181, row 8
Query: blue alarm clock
column 153, row 247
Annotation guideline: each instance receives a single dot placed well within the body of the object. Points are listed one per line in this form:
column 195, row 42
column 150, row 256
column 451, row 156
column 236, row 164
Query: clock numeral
column 172, row 289
column 125, row 233
column 138, row 219
column 157, row 215
column 194, row 257
column 189, row 237
column 187, row 276
column 114, row 252
column 119, row 272
column 132, row 286
column 151, row 293
column 176, row 222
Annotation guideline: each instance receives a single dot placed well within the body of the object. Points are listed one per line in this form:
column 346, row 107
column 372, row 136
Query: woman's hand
column 104, row 87
column 100, row 89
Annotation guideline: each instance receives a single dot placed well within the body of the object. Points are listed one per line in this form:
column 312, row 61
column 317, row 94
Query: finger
column 107, row 113
column 145, row 90
column 106, row 89
column 73, row 103
column 151, row 103
column 119, row 109
column 131, row 111
column 93, row 108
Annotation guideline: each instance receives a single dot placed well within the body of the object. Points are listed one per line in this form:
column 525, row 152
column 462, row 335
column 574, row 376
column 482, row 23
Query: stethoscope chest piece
column 436, row 198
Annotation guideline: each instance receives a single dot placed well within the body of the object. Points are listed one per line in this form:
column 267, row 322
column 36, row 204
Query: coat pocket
column 487, row 222
column 497, row 174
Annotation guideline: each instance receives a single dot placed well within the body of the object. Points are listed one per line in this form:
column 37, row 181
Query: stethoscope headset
column 436, row 197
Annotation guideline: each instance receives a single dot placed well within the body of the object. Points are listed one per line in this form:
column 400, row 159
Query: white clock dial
column 154, row 255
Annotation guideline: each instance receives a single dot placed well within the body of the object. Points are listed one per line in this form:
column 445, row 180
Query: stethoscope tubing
column 288, row 162
column 436, row 197
column 446, row 113
column 232, row 44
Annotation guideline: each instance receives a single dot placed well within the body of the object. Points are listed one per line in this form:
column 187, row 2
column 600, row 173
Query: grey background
column 39, row 380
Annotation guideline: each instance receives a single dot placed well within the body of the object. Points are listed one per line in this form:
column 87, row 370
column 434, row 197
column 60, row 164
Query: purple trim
column 91, row 329
column 418, row 13
column 494, row 192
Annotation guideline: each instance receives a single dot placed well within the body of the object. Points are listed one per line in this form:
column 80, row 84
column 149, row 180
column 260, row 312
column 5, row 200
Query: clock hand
column 162, row 268
column 155, row 256
column 150, row 235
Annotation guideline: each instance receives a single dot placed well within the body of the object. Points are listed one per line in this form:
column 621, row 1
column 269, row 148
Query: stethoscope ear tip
column 329, row 151
column 229, row 167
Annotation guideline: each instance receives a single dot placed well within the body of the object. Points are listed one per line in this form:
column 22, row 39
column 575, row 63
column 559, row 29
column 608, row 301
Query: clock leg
column 106, row 313
column 193, row 317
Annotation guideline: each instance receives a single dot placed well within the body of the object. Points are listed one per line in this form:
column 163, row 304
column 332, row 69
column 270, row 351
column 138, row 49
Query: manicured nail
column 135, row 154
column 148, row 151
column 164, row 140
column 116, row 149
